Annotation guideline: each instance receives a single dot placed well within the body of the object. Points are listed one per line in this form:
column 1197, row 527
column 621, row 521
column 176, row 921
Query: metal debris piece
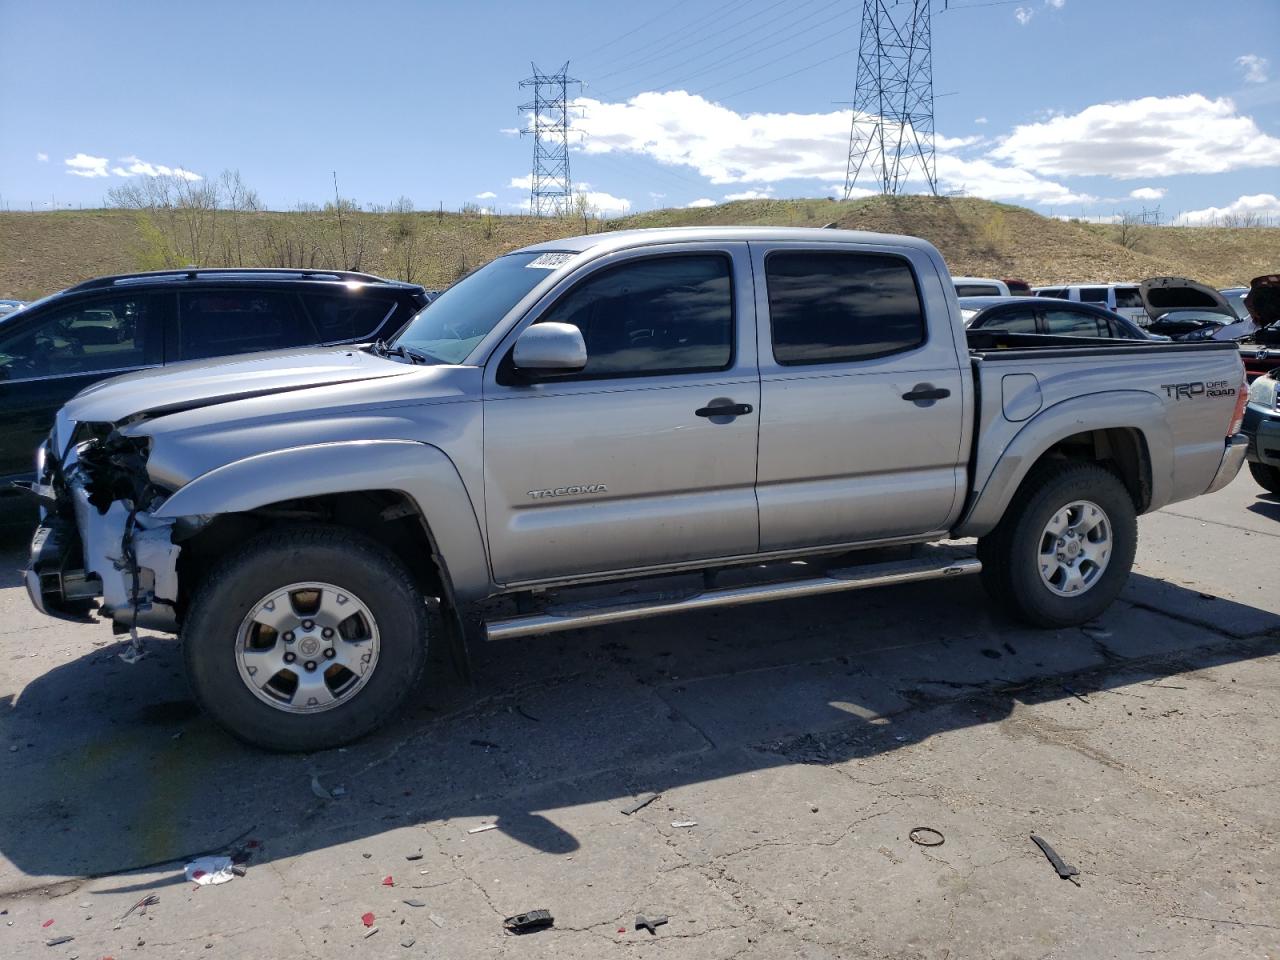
column 641, row 802
column 414, row 903
column 408, row 942
column 482, row 829
column 684, row 823
column 438, row 921
column 370, row 932
column 56, row 941
column 413, row 856
column 238, row 870
column 1065, row 870
column 926, row 837
column 644, row 923
column 529, row 922
column 150, row 900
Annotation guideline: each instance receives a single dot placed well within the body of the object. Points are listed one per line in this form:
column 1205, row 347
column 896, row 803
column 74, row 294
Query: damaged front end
column 98, row 543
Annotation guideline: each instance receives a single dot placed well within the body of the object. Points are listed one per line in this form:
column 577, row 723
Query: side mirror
column 550, row 348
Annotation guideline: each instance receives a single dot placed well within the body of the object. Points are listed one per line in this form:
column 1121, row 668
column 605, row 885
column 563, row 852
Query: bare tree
column 404, row 238
column 584, row 208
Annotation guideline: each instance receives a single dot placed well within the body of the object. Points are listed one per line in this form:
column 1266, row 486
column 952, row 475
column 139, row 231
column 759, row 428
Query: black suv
column 55, row 347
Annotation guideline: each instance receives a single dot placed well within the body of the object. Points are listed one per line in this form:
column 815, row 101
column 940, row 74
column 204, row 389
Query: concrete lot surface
column 805, row 739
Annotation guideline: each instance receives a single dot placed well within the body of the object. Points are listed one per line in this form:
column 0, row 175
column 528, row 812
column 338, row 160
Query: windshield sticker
column 549, row 261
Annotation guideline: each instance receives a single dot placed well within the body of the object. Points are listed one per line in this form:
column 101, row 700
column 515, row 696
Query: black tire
column 1009, row 554
column 1268, row 478
column 279, row 558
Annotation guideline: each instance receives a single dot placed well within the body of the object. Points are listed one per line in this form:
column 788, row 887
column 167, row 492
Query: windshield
column 451, row 326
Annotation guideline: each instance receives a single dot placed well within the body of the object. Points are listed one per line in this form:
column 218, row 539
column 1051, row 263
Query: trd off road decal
column 1198, row 388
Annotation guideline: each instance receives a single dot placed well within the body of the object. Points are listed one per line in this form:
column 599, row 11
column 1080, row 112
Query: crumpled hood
column 189, row 386
column 1162, row 294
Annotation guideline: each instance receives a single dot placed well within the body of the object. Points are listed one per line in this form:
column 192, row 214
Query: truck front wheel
column 305, row 639
column 1065, row 546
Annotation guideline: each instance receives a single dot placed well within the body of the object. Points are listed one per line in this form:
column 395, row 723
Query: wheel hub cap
column 307, row 647
column 1075, row 548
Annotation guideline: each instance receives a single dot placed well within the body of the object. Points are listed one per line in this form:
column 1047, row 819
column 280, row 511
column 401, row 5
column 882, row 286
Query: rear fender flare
column 1116, row 409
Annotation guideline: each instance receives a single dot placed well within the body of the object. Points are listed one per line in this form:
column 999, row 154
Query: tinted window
column 665, row 314
column 86, row 337
column 827, row 307
column 1013, row 321
column 346, row 316
column 977, row 290
column 1068, row 323
column 1093, row 294
column 1128, row 297
column 1058, row 293
column 220, row 322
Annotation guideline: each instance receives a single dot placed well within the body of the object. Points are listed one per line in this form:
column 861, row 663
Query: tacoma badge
column 570, row 491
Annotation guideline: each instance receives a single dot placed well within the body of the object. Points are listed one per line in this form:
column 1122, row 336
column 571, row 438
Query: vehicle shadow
column 116, row 768
column 1267, row 505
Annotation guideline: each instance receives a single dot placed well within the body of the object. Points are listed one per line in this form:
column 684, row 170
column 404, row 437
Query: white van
column 980, row 287
column 1122, row 298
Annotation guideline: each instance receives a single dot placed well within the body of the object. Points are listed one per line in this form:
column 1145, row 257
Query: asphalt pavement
column 793, row 746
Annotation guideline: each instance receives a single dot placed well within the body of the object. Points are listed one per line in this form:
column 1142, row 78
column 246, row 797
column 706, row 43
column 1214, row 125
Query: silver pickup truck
column 606, row 428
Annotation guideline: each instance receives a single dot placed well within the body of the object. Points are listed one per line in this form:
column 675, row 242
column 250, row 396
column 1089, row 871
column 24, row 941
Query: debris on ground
column 318, row 789
column 526, row 714
column 437, row 920
column 482, row 829
column 926, row 837
column 407, row 942
column 645, row 923
column 414, row 903
column 47, row 923
column 150, row 900
column 388, row 881
column 413, row 856
column 58, row 941
column 641, row 802
column 210, row 870
column 370, row 932
column 487, row 744
column 528, row 922
column 367, row 919
column 813, row 808
column 684, row 823
column 1065, row 870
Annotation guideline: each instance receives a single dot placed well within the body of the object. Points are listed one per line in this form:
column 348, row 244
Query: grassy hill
column 43, row 252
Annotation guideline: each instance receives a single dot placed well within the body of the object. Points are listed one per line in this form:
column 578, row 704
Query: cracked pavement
column 806, row 739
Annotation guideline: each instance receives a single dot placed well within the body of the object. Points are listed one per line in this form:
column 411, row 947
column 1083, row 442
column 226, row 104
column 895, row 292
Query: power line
column 769, row 63
column 550, row 186
column 680, row 31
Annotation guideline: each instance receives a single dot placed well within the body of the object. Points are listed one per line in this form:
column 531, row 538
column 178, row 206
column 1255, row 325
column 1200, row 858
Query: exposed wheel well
column 386, row 516
column 1121, row 449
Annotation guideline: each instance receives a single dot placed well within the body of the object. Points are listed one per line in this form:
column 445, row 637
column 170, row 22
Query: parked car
column 1260, row 349
column 1262, row 427
column 1121, row 298
column 52, row 349
column 583, row 414
column 1235, row 297
column 1055, row 317
column 1185, row 310
column 980, row 287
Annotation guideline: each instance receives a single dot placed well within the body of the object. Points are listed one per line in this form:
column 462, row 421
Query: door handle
column 725, row 410
column 926, row 392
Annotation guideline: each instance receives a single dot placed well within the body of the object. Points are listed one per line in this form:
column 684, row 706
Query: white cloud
column 980, row 120
column 42, row 157
column 657, row 196
column 487, row 195
column 602, row 202
column 1261, row 205
column 984, row 178
column 1147, row 193
column 1056, row 4
column 522, row 183
column 83, row 165
column 1254, row 67
column 1023, row 15
column 510, row 131
column 136, row 167
column 1149, row 137
column 702, row 202
column 764, row 194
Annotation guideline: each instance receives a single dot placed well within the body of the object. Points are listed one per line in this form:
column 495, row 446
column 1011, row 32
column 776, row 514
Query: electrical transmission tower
column 892, row 131
column 551, row 188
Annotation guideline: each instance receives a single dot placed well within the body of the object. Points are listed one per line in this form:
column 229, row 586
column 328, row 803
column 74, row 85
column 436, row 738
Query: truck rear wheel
column 1268, row 477
column 1065, row 546
column 306, row 639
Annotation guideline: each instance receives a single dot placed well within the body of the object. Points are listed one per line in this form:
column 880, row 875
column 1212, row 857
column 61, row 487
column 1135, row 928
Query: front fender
column 420, row 471
column 1116, row 409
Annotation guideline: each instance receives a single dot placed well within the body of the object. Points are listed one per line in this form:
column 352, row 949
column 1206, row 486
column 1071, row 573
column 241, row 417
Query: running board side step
column 577, row 616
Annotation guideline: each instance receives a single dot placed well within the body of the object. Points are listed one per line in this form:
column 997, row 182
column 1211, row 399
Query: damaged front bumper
column 120, row 559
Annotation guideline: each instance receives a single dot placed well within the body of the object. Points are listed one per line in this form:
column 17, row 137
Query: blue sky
column 1067, row 106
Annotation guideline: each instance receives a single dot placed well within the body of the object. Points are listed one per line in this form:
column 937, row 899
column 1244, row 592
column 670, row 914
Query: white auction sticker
column 549, row 261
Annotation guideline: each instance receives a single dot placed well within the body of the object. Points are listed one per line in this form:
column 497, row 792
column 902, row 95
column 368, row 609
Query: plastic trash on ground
column 207, row 870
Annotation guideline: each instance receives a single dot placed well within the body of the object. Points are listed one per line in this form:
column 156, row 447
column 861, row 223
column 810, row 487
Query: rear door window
column 93, row 336
column 217, row 323
column 830, row 306
column 1093, row 294
column 1069, row 323
column 1022, row 320
column 345, row 315
column 977, row 290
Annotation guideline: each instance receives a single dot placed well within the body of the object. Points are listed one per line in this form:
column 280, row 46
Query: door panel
column 616, row 470
column 844, row 456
